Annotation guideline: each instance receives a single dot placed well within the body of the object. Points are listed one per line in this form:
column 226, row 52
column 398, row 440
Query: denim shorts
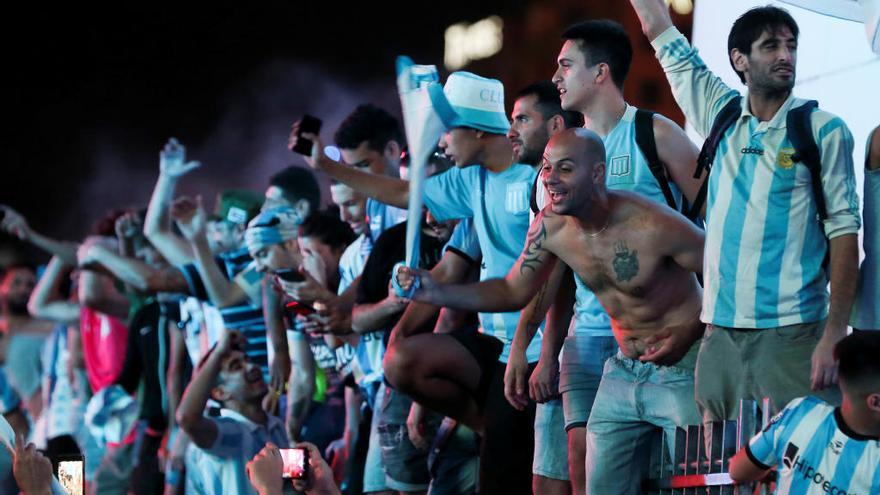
column 583, row 358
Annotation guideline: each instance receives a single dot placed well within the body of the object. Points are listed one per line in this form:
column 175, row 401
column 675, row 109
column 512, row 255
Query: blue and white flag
column 423, row 129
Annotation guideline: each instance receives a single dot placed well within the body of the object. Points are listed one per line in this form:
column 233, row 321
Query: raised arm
column 46, row 301
column 157, row 224
column 511, row 293
column 14, row 223
column 132, row 271
column 388, row 190
column 190, row 414
column 96, row 291
column 191, row 219
column 698, row 91
column 654, row 16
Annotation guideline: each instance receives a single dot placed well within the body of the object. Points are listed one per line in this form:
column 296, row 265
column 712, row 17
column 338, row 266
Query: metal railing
column 696, row 460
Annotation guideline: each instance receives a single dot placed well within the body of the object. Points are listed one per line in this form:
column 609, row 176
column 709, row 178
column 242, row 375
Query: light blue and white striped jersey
column 626, row 170
column 866, row 310
column 221, row 468
column 499, row 205
column 815, row 452
column 762, row 265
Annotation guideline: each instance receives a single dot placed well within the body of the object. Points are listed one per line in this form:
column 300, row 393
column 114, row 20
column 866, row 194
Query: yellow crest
column 784, row 159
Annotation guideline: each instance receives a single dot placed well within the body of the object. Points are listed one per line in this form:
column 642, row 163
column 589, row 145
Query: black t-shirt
column 147, row 356
column 389, row 249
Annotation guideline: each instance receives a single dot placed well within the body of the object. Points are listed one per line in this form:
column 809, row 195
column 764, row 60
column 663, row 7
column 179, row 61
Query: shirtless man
column 639, row 258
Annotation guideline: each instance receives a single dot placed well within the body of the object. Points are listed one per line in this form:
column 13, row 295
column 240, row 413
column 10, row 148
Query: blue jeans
column 551, row 442
column 634, row 399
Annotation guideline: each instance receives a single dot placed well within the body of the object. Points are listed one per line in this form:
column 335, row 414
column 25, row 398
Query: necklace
column 597, row 233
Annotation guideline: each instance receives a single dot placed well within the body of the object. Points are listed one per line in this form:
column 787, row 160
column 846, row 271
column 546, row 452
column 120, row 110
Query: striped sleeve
column 697, row 90
column 763, row 449
column 838, row 176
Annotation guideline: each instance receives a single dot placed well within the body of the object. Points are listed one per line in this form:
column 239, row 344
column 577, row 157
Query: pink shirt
column 104, row 339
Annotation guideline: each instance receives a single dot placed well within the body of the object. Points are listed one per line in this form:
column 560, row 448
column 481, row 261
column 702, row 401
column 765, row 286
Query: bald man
column 639, row 257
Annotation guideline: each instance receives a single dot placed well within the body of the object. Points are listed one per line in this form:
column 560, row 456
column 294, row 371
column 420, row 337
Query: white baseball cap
column 468, row 100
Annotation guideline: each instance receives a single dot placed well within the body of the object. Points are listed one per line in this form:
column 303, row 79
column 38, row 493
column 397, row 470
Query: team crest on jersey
column 784, row 160
column 836, row 446
column 517, row 200
column 619, row 166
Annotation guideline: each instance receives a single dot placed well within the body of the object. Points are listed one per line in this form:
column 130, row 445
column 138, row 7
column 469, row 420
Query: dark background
column 93, row 91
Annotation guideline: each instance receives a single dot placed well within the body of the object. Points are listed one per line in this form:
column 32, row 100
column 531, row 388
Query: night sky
column 92, row 92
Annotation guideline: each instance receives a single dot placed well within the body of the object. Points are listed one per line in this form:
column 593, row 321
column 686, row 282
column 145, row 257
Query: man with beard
column 22, row 337
column 648, row 154
column 488, row 186
column 771, row 330
column 537, row 114
column 638, row 258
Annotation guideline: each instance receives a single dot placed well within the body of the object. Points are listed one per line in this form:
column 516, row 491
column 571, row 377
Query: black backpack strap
column 648, row 146
column 800, row 133
column 725, row 118
column 533, row 197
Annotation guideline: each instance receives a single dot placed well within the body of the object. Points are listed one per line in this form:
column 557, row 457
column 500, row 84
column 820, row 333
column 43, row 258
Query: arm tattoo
column 531, row 258
column 537, row 316
column 626, row 262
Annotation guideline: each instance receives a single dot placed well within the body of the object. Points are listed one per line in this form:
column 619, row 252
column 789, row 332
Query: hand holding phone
column 310, row 125
column 289, row 275
column 295, row 463
column 72, row 473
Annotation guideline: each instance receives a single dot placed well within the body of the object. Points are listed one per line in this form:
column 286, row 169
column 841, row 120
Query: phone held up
column 71, row 473
column 311, row 125
column 295, row 463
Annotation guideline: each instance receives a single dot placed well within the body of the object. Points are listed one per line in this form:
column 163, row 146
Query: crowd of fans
column 586, row 276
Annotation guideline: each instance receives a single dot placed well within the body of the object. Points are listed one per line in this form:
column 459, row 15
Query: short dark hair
column 751, row 25
column 859, row 361
column 298, row 183
column 603, row 40
column 371, row 124
column 549, row 103
column 328, row 228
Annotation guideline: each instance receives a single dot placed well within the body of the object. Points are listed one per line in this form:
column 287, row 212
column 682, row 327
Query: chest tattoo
column 626, row 262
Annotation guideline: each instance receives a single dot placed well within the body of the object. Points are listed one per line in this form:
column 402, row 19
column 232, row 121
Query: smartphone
column 289, row 275
column 307, row 124
column 295, row 464
column 72, row 473
column 299, row 309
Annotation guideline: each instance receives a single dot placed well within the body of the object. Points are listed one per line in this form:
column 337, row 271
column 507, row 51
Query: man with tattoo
column 639, row 258
column 461, row 374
